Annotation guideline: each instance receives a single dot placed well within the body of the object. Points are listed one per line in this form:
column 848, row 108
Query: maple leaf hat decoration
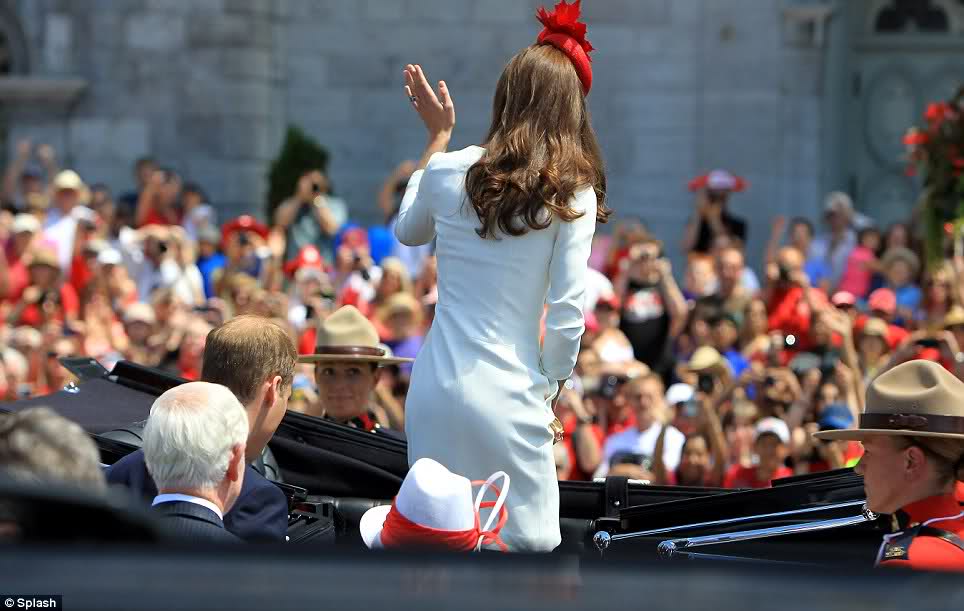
column 563, row 30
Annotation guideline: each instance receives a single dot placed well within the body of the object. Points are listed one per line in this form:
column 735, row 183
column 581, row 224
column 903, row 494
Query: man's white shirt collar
column 171, row 498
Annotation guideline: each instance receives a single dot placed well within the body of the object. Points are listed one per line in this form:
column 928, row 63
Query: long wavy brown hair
column 540, row 149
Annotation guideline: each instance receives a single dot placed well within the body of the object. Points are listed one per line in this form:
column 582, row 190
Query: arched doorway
column 906, row 53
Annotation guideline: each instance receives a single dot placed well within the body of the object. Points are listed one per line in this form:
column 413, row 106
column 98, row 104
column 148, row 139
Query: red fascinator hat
column 563, row 31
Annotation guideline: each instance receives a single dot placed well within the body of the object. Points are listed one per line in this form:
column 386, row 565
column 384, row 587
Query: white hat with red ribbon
column 434, row 508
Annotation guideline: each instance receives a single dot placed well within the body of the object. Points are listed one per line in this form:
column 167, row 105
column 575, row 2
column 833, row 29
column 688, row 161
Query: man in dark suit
column 194, row 446
column 190, row 521
column 254, row 358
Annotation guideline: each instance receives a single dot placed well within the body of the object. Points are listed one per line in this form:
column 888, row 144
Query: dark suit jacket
column 259, row 514
column 193, row 522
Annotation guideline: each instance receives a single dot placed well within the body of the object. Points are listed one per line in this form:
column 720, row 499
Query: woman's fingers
column 422, row 88
column 444, row 96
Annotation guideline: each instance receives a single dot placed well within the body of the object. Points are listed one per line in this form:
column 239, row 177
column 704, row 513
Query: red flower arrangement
column 934, row 150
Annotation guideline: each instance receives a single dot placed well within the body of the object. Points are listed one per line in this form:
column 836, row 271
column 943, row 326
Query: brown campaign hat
column 917, row 398
column 346, row 335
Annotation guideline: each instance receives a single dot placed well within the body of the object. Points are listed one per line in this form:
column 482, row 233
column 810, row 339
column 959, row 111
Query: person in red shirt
column 84, row 257
column 791, row 300
column 157, row 203
column 912, row 431
column 771, row 449
column 582, row 440
column 191, row 350
column 46, row 298
column 883, row 305
column 703, row 458
column 23, row 232
column 52, row 375
column 612, row 413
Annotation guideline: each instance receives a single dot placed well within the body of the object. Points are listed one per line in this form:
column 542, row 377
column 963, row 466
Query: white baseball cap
column 25, row 223
column 679, row 393
column 109, row 256
column 774, row 426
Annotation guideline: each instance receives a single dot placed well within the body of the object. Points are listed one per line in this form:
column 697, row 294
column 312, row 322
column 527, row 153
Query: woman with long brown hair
column 513, row 221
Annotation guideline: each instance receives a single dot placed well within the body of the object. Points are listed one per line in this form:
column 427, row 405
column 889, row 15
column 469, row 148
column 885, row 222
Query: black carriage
column 332, row 474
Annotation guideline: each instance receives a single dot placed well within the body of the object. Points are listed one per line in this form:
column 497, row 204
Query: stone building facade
column 798, row 96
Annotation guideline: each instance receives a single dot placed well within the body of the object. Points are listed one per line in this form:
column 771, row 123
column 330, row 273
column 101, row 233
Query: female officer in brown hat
column 346, row 359
column 913, row 438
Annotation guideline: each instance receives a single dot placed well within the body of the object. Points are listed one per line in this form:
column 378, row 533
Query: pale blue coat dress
column 481, row 389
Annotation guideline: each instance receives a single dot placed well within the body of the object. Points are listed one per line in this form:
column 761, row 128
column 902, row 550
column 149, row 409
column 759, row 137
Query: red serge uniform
column 932, row 539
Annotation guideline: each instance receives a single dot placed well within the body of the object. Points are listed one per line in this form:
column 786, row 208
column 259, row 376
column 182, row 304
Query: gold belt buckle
column 558, row 432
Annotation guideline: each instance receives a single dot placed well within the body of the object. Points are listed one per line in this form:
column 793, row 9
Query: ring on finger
column 413, row 98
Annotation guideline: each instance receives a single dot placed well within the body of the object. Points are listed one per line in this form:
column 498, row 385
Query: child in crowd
column 861, row 264
column 770, row 447
column 900, row 266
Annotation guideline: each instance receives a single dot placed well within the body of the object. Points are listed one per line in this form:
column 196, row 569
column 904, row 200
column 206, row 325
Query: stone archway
column 915, row 16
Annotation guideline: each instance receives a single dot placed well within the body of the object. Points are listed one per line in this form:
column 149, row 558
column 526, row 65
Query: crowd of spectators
column 720, row 382
column 717, row 380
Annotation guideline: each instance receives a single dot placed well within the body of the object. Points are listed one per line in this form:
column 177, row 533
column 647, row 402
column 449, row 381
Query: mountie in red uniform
column 932, row 537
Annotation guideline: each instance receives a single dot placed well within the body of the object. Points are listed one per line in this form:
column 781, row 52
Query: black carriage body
column 354, row 470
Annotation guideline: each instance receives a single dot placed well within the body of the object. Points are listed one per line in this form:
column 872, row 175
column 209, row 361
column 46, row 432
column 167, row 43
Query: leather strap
column 350, row 350
column 944, row 535
column 914, row 422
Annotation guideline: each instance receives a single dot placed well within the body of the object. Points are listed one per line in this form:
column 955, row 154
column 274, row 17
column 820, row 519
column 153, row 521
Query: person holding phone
column 791, row 302
column 654, row 312
column 712, row 219
column 703, row 456
column 637, row 445
column 311, row 216
column 940, row 346
column 513, row 222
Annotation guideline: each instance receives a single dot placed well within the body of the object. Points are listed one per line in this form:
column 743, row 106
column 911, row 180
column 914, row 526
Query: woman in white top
column 513, row 222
